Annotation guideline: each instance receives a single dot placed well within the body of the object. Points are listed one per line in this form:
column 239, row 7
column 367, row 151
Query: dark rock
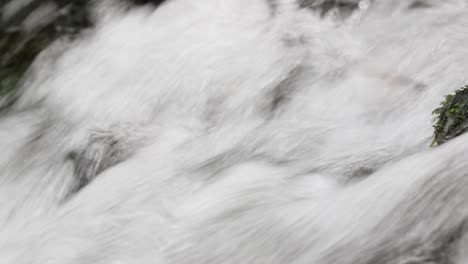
column 21, row 42
column 451, row 117
column 144, row 2
column 343, row 7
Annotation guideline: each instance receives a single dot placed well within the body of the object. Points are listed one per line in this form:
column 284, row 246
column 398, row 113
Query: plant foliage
column 451, row 118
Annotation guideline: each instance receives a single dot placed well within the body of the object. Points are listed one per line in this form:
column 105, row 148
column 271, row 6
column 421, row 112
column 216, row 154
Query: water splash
column 240, row 132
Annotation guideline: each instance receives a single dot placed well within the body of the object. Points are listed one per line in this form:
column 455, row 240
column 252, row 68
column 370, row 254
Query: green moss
column 451, row 118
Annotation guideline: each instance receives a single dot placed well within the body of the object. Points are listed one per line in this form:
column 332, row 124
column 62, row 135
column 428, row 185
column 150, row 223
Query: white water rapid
column 240, row 131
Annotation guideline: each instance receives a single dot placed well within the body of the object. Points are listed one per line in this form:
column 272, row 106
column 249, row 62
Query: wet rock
column 29, row 26
column 451, row 118
column 340, row 8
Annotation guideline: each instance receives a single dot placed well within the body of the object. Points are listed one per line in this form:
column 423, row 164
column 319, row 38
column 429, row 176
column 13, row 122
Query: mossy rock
column 451, row 118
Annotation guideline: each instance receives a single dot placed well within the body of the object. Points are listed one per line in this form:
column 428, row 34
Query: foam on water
column 239, row 131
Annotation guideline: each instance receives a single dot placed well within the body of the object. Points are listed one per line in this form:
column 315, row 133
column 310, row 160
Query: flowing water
column 240, row 131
